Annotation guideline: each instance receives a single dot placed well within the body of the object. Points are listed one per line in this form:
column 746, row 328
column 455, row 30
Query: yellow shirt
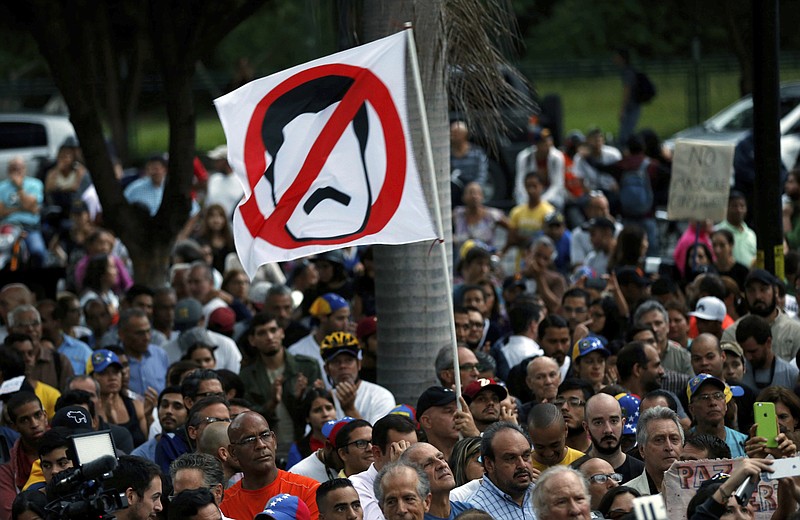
column 569, row 458
column 528, row 221
column 48, row 396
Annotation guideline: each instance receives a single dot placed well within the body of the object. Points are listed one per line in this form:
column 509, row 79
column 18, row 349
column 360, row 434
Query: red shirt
column 245, row 504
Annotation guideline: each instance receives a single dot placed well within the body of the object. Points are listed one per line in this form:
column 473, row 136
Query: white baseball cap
column 709, row 308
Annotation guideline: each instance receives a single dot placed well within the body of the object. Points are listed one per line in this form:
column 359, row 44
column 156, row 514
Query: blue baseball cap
column 101, row 360
column 699, row 380
column 327, row 304
column 587, row 345
column 284, row 507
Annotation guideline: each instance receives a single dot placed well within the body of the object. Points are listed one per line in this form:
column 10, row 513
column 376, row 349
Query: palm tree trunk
column 411, row 290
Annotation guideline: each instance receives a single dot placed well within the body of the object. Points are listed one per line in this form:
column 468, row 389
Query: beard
column 764, row 311
column 574, row 432
column 596, row 444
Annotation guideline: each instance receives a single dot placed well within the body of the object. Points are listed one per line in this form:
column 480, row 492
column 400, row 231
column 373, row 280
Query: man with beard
column 548, row 432
column 639, row 367
column 171, row 414
column 603, row 423
column 433, row 463
column 505, row 491
column 483, row 397
column 140, row 481
column 276, row 379
column 571, row 399
column 755, row 336
column 708, row 397
column 660, row 441
column 762, row 299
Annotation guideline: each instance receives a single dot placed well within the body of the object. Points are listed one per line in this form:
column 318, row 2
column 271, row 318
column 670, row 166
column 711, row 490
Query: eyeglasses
column 602, row 478
column 469, row 367
column 361, row 444
column 212, row 420
column 210, row 394
column 572, row 401
column 717, row 396
column 264, row 436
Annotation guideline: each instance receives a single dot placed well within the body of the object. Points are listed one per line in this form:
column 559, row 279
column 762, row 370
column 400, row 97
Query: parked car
column 36, row 137
column 733, row 122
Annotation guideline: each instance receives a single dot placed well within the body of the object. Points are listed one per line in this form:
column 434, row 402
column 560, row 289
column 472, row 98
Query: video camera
column 78, row 492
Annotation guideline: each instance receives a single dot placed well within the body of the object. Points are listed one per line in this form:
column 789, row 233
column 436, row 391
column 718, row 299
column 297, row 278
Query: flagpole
column 426, row 139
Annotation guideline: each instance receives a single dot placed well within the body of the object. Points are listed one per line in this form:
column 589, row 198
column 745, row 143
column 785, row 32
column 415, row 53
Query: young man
column 337, row 499
column 140, row 481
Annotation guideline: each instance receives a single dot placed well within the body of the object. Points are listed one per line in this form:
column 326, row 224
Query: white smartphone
column 784, row 468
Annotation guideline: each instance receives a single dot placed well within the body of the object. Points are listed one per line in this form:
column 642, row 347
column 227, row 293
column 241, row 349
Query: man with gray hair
column 561, row 493
column 673, row 356
column 660, row 439
column 44, row 363
column 467, row 366
column 435, row 466
column 195, row 471
column 403, row 492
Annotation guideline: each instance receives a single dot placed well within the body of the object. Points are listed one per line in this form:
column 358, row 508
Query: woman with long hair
column 317, row 408
column 216, row 232
column 115, row 406
column 630, row 249
column 99, row 282
column 464, row 460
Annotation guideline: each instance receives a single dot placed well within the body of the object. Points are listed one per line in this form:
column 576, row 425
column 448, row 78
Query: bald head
column 215, row 436
column 601, row 404
column 13, row 295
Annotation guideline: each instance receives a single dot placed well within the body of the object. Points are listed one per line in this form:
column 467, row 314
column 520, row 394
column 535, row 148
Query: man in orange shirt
column 252, row 447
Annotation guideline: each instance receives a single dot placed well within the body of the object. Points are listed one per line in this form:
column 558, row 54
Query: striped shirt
column 500, row 505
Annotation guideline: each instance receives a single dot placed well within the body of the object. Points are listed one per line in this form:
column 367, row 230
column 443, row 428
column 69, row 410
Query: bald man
column 603, row 421
column 601, row 477
column 214, row 441
column 548, row 432
column 11, row 296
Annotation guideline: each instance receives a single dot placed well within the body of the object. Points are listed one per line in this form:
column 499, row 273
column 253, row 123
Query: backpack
column 635, row 192
column 644, row 90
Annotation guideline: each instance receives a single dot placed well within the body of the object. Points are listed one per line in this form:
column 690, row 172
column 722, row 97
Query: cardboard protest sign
column 683, row 480
column 700, row 182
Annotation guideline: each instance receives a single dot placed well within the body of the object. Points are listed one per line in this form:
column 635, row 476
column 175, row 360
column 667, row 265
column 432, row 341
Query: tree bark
column 411, row 292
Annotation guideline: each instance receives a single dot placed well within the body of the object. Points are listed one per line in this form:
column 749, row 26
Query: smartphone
column 766, row 422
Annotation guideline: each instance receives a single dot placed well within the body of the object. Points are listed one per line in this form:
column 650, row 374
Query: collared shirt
column 151, row 370
column 500, row 505
column 363, row 483
column 785, row 335
column 76, row 351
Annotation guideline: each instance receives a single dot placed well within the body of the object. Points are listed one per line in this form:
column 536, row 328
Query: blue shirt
column 10, row 199
column 456, row 508
column 144, row 192
column 146, row 450
column 151, row 370
column 735, row 441
column 500, row 505
column 77, row 352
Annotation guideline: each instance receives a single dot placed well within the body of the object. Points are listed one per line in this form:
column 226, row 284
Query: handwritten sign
column 683, row 479
column 700, row 182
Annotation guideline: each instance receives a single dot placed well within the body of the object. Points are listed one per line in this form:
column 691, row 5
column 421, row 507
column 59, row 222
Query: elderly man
column 403, row 492
column 434, row 464
column 660, row 441
column 561, row 493
column 505, row 491
column 543, row 379
column 42, row 362
column 601, row 477
column 253, row 449
column 198, row 471
column 672, row 355
column 20, row 199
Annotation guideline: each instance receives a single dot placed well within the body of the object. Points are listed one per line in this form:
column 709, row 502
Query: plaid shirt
column 499, row 504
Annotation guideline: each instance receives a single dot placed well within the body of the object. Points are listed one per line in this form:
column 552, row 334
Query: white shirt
column 313, row 467
column 462, row 493
column 363, row 483
column 526, row 163
column 373, row 402
column 227, row 354
column 519, row 348
column 225, row 190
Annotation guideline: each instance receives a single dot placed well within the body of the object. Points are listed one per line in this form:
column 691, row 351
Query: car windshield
column 739, row 116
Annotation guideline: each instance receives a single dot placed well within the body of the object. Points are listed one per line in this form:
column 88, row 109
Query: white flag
column 325, row 157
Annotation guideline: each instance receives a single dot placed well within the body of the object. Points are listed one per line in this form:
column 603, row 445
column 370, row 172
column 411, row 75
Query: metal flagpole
column 426, row 139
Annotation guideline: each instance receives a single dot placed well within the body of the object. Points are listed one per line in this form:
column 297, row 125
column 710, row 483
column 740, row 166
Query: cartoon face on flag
column 325, row 156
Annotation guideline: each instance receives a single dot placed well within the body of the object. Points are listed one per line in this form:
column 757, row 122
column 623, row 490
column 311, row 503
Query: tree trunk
column 411, row 292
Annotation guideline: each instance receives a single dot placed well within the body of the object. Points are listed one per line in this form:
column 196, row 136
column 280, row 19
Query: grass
column 587, row 102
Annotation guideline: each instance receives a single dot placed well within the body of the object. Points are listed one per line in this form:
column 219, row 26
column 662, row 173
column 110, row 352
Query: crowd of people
column 583, row 376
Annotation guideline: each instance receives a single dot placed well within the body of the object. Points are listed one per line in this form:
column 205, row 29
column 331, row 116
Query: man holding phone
column 708, row 404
